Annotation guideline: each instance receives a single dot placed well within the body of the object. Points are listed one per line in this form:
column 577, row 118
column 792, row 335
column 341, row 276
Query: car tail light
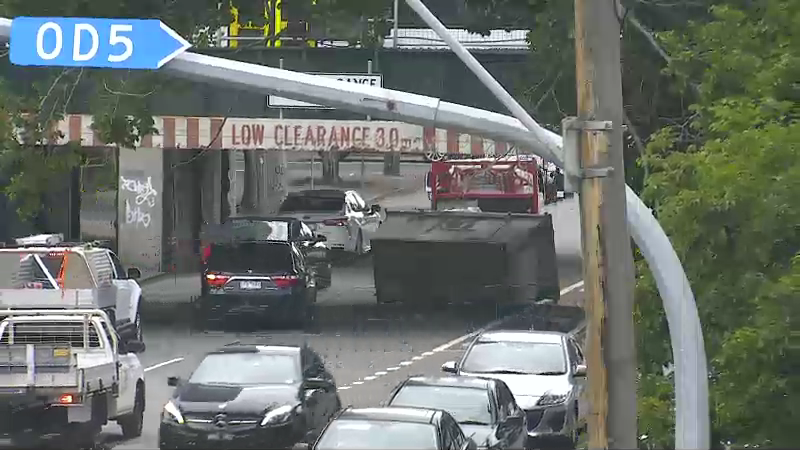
column 68, row 399
column 216, row 280
column 285, row 281
column 335, row 222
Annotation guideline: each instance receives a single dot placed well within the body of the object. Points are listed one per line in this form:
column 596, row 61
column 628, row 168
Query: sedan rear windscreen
column 245, row 256
column 295, row 203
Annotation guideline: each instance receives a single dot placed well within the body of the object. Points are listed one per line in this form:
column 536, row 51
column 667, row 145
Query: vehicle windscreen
column 515, row 357
column 260, row 257
column 247, row 368
column 352, row 434
column 470, row 405
column 310, row 203
column 41, row 270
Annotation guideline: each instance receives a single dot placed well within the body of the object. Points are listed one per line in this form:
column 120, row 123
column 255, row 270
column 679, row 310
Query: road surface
column 369, row 350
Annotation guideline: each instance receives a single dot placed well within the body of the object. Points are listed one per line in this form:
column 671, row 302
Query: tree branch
column 637, row 140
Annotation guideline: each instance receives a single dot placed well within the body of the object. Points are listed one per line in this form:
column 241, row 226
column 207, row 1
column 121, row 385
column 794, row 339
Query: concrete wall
column 140, row 208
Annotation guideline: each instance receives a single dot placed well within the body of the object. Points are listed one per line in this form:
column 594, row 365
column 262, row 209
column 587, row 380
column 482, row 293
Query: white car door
column 129, row 291
column 355, row 219
column 371, row 219
column 127, row 385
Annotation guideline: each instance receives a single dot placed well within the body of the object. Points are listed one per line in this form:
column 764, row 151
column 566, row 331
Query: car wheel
column 133, row 423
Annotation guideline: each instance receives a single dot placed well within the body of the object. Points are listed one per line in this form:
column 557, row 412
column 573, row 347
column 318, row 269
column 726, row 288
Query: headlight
column 549, row 399
column 172, row 412
column 278, row 415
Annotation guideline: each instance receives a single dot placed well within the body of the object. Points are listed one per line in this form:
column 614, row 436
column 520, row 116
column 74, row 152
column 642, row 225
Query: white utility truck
column 84, row 275
column 64, row 373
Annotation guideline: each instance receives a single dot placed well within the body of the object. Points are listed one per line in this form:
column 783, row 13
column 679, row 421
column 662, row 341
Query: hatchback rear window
column 259, row 257
column 312, row 203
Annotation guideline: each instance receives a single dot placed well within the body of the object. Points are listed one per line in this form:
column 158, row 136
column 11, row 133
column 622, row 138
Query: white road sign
column 359, row 78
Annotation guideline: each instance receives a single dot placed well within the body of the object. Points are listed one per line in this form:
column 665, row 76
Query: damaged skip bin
column 429, row 258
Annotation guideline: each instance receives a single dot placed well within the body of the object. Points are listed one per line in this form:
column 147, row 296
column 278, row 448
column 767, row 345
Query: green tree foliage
column 727, row 185
column 30, row 111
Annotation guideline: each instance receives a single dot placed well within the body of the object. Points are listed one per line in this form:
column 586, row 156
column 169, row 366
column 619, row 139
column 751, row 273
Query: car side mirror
column 515, row 420
column 450, row 367
column 134, row 273
column 133, row 346
column 320, row 238
column 317, row 383
column 376, row 208
column 580, row 370
column 173, row 381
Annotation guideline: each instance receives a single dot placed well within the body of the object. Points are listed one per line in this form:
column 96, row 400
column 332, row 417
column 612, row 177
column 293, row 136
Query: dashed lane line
column 444, row 347
column 162, row 364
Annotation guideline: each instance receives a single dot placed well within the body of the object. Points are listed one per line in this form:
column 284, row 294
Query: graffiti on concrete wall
column 139, row 197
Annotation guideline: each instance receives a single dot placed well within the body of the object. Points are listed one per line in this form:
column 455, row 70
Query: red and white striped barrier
column 292, row 134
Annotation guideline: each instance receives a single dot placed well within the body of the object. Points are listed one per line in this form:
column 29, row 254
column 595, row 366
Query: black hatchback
column 268, row 280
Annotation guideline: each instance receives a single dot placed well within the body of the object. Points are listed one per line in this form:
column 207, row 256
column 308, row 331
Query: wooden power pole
column 595, row 140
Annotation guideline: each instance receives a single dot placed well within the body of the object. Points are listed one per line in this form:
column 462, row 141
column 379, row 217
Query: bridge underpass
column 433, row 72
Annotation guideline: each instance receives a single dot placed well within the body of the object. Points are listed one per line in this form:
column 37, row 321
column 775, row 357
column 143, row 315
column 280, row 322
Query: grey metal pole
column 283, row 165
column 607, row 255
column 395, row 24
column 472, row 64
column 363, row 168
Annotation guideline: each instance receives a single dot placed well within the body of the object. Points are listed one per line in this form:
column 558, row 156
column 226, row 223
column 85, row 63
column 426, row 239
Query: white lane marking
column 344, row 388
column 162, row 364
column 447, row 345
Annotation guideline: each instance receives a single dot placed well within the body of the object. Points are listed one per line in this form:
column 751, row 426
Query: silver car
column 545, row 371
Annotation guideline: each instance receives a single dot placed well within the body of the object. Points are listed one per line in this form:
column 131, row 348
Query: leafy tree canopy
column 120, row 109
column 728, row 197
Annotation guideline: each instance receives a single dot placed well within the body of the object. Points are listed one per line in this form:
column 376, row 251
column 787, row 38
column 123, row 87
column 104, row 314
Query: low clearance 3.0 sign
column 358, row 78
column 322, row 135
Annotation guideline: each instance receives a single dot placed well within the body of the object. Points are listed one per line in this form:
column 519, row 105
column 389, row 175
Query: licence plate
column 250, row 285
column 220, row 437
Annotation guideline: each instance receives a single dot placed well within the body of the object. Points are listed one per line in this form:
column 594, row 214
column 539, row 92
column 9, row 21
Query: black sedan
column 393, row 429
column 250, row 396
column 485, row 408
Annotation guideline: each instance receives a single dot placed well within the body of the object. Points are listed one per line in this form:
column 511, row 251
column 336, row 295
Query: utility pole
column 607, row 255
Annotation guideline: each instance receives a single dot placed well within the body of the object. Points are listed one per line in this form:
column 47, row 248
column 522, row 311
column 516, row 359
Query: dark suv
column 313, row 246
column 256, row 278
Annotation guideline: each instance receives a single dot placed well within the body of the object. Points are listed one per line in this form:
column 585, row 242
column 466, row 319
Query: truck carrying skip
column 436, row 257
